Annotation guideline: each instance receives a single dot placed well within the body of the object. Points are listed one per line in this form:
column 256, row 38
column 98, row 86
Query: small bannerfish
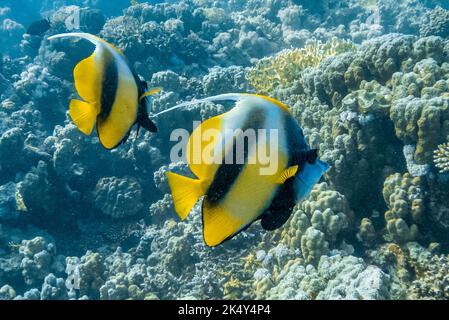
column 38, row 28
column 238, row 193
column 113, row 97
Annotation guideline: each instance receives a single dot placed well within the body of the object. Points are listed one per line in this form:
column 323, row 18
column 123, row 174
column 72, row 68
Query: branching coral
column 441, row 157
column 286, row 67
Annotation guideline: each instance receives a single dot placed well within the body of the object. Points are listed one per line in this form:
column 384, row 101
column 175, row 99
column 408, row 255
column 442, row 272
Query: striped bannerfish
column 113, row 96
column 237, row 193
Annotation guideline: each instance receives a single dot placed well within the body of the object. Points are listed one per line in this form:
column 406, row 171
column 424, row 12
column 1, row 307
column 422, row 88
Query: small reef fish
column 38, row 28
column 113, row 96
column 236, row 194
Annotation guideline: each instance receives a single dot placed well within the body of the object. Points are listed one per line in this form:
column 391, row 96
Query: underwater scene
column 224, row 150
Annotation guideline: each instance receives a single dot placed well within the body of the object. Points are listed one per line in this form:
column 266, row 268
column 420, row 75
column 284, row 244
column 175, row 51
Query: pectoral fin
column 149, row 93
column 288, row 174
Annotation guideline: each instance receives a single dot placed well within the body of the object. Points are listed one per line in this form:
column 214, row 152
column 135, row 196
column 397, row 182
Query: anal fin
column 220, row 225
column 84, row 115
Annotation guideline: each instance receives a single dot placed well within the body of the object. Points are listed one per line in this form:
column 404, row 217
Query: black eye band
column 312, row 156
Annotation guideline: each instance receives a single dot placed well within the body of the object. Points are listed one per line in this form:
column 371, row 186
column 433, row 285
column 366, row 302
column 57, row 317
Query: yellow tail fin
column 186, row 192
column 84, row 115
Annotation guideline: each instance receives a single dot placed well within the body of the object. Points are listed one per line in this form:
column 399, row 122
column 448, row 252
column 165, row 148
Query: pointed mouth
column 323, row 166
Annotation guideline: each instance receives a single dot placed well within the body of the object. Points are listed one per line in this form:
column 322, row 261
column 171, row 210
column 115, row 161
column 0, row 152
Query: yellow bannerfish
column 237, row 193
column 113, row 96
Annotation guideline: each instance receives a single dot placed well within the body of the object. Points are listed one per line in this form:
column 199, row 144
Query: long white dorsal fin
column 87, row 36
column 222, row 97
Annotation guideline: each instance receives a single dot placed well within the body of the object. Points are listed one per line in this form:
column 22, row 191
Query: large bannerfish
column 238, row 193
column 113, row 97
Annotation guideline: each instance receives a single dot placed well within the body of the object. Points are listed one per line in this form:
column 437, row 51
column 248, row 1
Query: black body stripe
column 109, row 86
column 227, row 174
column 296, row 142
column 283, row 203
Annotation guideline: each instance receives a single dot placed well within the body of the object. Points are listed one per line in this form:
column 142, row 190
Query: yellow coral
column 249, row 261
column 285, row 67
column 171, row 224
column 232, row 288
column 20, row 203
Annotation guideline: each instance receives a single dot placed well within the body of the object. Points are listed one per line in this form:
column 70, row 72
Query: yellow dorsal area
column 248, row 198
column 110, row 45
column 200, row 160
column 123, row 115
column 274, row 101
column 88, row 75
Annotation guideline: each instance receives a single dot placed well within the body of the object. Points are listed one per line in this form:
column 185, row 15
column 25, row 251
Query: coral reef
column 370, row 91
column 441, row 158
column 404, row 199
column 436, row 23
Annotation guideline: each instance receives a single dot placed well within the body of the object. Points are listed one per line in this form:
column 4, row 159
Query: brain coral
column 436, row 23
column 118, row 198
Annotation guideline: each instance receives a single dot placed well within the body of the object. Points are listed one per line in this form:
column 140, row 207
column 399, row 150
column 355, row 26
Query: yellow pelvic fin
column 88, row 75
column 219, row 224
column 84, row 115
column 287, row 174
column 149, row 93
column 185, row 192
